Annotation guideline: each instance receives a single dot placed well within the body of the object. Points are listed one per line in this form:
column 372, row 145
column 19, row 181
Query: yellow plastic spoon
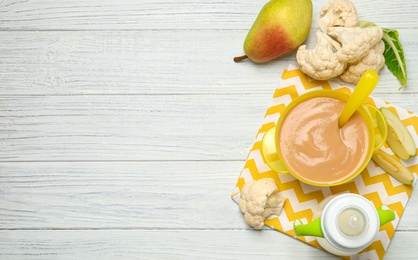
column 365, row 86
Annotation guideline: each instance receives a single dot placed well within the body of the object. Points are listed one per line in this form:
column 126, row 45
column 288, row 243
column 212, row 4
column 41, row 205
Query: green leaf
column 394, row 54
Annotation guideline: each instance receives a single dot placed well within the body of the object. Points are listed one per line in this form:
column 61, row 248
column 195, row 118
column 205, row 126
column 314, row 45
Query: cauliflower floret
column 356, row 41
column 337, row 13
column 321, row 63
column 374, row 60
column 259, row 200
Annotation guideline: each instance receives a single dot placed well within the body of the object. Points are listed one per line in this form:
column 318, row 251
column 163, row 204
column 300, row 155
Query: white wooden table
column 124, row 126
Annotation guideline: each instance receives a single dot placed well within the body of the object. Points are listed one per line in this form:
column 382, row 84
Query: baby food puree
column 315, row 148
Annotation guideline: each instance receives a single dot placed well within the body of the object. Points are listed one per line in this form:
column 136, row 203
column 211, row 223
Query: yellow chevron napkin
column 302, row 199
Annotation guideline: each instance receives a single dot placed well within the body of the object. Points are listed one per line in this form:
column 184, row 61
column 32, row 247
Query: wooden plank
column 157, row 15
column 68, row 128
column 120, row 127
column 137, row 127
column 152, row 195
column 150, row 62
column 161, row 195
column 126, row 62
column 153, row 244
column 171, row 244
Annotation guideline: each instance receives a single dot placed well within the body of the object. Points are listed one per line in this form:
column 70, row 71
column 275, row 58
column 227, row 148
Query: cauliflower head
column 344, row 47
column 374, row 60
column 320, row 63
column 356, row 41
column 337, row 13
column 259, row 200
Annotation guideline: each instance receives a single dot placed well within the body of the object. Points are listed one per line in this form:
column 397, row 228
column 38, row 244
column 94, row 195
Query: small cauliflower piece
column 337, row 13
column 374, row 60
column 320, row 63
column 259, row 200
column 356, row 41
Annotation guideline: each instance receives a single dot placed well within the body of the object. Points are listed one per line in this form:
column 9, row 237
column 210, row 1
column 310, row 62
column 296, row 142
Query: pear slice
column 399, row 138
column 392, row 166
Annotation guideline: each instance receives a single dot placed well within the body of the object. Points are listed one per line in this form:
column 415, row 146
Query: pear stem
column 240, row 58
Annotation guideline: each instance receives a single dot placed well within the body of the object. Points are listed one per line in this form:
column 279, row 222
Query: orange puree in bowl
column 315, row 148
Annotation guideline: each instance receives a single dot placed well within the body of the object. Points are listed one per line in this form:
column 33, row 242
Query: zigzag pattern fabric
column 302, row 199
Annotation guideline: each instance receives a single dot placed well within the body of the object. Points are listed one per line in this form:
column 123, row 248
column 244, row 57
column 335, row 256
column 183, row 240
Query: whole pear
column 280, row 27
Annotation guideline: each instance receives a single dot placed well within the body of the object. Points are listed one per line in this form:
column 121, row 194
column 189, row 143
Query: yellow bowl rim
column 333, row 94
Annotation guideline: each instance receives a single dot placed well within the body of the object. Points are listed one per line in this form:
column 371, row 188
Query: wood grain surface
column 124, row 126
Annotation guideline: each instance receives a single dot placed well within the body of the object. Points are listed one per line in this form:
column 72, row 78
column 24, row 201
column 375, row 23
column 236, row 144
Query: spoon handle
column 364, row 88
